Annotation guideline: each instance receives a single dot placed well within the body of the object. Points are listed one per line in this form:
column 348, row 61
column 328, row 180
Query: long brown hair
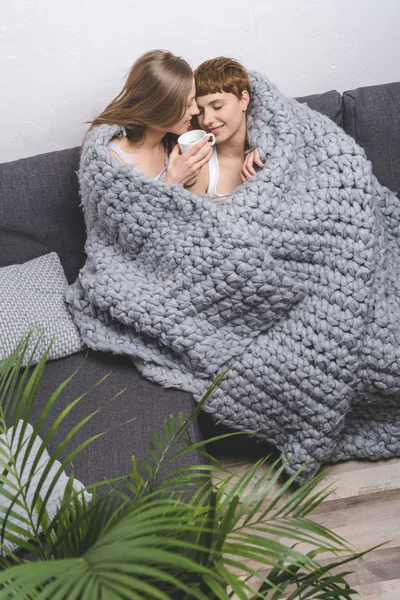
column 155, row 94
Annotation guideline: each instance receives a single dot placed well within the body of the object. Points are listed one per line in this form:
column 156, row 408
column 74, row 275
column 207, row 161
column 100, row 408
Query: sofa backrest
column 39, row 210
column 329, row 104
column 39, row 199
column 372, row 118
column 371, row 115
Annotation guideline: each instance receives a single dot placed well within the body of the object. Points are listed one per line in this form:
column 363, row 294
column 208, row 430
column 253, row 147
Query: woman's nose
column 208, row 119
column 194, row 110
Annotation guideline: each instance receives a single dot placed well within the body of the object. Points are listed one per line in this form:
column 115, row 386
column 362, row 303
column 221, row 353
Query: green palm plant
column 160, row 532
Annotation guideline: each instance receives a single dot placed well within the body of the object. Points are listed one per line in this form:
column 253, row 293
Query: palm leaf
column 17, row 382
column 162, row 532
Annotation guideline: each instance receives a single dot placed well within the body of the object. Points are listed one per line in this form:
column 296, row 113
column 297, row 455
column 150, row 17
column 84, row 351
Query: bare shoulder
column 120, row 142
column 116, row 156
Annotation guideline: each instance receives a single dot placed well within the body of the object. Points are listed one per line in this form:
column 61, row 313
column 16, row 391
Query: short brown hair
column 221, row 74
column 155, row 94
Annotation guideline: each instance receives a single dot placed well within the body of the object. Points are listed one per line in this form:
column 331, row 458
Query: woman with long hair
column 154, row 107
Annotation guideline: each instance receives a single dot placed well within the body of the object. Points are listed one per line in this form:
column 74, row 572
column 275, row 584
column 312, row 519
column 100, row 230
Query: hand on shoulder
column 252, row 158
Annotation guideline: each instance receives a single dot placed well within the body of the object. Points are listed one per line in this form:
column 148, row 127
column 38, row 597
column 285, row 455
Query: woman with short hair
column 223, row 96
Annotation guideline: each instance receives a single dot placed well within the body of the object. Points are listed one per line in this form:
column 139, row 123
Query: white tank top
column 127, row 159
column 213, row 170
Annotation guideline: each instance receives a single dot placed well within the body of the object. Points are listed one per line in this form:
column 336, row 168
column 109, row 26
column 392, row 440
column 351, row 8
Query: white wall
column 61, row 62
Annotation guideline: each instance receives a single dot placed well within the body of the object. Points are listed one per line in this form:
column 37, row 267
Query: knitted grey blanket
column 292, row 283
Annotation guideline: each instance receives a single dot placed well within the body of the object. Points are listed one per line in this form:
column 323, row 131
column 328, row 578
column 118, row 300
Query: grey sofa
column 40, row 213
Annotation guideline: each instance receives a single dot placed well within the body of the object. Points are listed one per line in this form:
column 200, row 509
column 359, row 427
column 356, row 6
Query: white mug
column 188, row 139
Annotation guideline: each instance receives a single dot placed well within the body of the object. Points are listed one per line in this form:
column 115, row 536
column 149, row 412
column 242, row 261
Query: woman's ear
column 244, row 100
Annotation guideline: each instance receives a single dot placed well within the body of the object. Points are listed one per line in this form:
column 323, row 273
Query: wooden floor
column 365, row 510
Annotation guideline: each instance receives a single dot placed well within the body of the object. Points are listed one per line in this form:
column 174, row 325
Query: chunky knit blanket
column 293, row 284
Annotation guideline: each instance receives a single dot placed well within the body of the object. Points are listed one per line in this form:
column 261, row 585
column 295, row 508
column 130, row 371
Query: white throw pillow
column 32, row 298
column 20, row 474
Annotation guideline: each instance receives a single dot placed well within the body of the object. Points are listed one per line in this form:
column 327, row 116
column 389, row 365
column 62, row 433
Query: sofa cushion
column 32, row 299
column 329, row 104
column 147, row 403
column 40, row 212
column 372, row 118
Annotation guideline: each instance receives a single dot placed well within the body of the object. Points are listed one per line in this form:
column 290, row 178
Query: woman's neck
column 153, row 138
column 151, row 141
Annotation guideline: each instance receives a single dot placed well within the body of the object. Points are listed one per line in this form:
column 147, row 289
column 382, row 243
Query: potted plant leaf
column 159, row 532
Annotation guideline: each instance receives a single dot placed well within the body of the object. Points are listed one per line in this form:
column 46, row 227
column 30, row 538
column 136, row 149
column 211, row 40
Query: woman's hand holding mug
column 196, row 151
